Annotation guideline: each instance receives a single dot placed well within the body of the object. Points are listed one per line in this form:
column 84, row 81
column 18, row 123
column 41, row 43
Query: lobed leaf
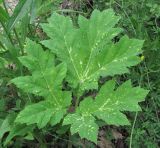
column 107, row 106
column 46, row 81
column 89, row 50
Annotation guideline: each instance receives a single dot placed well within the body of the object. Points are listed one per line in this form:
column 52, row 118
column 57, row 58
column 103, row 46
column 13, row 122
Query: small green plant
column 83, row 56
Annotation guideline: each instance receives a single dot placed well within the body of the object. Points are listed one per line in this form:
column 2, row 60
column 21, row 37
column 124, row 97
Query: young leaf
column 107, row 106
column 46, row 81
column 89, row 50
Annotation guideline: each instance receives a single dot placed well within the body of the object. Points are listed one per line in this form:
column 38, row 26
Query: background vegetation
column 139, row 19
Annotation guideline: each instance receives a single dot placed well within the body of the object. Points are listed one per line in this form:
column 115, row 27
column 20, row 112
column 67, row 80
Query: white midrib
column 70, row 56
column 104, row 66
column 64, row 37
column 91, row 54
column 105, row 103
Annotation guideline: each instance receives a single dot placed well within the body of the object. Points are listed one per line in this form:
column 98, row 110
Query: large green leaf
column 90, row 51
column 107, row 106
column 46, row 81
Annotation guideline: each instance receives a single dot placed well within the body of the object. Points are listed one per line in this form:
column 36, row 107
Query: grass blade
column 20, row 11
column 3, row 15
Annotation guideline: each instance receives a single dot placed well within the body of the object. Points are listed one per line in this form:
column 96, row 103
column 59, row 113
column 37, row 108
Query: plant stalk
column 19, row 42
column 69, row 142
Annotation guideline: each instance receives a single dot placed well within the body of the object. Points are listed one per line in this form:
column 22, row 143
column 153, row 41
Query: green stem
column 69, row 141
column 19, row 41
column 77, row 94
column 30, row 30
column 69, row 10
column 77, row 102
column 133, row 126
column 124, row 11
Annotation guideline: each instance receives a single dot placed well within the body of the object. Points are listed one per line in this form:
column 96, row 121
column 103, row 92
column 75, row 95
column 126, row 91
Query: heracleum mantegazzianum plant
column 85, row 54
